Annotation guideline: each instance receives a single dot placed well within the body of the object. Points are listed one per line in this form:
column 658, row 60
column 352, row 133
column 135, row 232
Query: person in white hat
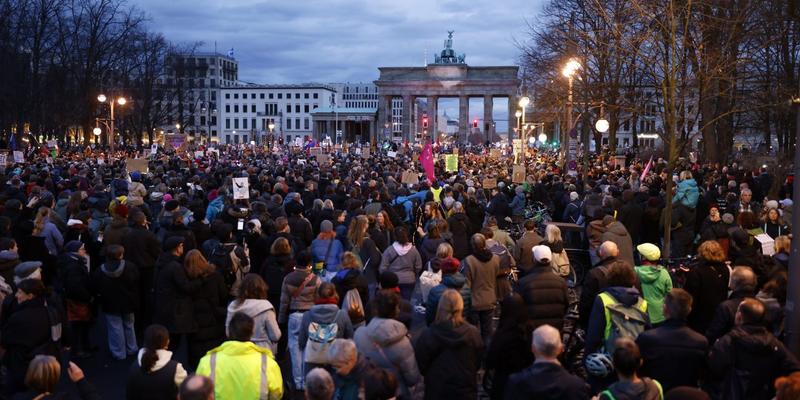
column 544, row 292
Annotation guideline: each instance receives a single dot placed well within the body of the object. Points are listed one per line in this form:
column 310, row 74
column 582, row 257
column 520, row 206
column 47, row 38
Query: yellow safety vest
column 436, row 194
column 608, row 300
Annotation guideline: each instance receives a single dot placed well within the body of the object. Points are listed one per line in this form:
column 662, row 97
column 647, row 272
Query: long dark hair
column 156, row 337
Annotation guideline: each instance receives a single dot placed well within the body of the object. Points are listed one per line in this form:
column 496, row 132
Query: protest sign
column 323, row 159
column 136, row 164
column 451, row 163
column 489, row 183
column 241, row 188
column 496, row 153
column 392, row 154
column 315, row 151
column 365, row 152
column 410, row 177
column 518, row 174
column 153, row 149
column 198, row 154
column 19, row 157
column 3, row 158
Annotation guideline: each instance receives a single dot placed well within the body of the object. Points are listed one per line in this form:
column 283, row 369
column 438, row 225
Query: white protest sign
column 3, row 159
column 241, row 188
column 154, row 149
column 198, row 154
column 392, row 154
column 19, row 157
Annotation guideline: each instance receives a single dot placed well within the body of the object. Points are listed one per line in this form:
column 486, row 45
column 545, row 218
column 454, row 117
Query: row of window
column 271, row 95
column 360, row 97
column 271, row 108
column 361, row 104
column 242, row 123
column 355, row 89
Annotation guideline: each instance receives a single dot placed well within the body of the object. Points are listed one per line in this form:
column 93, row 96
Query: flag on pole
column 646, row 169
column 230, row 53
column 426, row 159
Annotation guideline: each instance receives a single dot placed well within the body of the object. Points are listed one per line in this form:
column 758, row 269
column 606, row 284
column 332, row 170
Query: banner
column 3, row 158
column 647, row 168
column 426, row 159
column 176, row 140
column 451, row 163
column 241, row 188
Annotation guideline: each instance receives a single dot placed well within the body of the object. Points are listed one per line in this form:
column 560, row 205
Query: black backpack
column 221, row 257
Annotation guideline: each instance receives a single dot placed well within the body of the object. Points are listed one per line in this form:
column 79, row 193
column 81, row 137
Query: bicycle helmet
column 599, row 364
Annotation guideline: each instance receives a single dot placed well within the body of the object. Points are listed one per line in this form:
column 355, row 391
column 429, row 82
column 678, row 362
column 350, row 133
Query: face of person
column 746, row 197
column 22, row 296
column 379, row 219
column 82, row 251
column 714, row 214
column 773, row 215
column 179, row 249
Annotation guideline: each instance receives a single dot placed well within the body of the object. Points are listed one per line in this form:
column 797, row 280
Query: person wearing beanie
column 27, row 270
column 325, row 312
column 74, row 269
column 543, row 291
column 298, row 224
column 9, row 259
column 389, row 282
column 136, row 190
column 451, row 279
column 326, row 250
column 117, row 230
column 655, row 281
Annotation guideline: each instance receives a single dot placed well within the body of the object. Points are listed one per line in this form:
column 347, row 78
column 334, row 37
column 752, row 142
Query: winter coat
column 509, row 352
column 319, row 251
column 630, row 216
column 687, row 193
column 75, row 278
column 349, row 279
column 595, row 334
column 25, row 329
column 209, row 309
column 405, row 314
column 161, row 383
column 546, row 381
column 403, row 260
column 116, row 284
column 301, row 229
column 673, row 354
column 774, row 230
column 595, row 282
column 427, row 249
column 594, row 232
column 517, row 205
column 116, row 232
column 545, row 295
column 656, row 283
column 180, row 230
column 616, row 232
column 752, row 349
column 266, row 332
column 86, row 391
column 523, row 250
column 708, row 284
column 481, row 270
column 454, row 281
column 725, row 315
column 304, row 299
column 711, row 230
column 645, row 389
column 449, row 358
column 462, row 230
column 8, row 260
column 273, row 270
column 572, row 212
column 386, row 344
column 370, row 258
column 173, row 295
column 325, row 314
column 141, row 247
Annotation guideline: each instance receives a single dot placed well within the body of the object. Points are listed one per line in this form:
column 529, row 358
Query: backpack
column 222, row 256
column 505, row 257
column 560, row 263
column 320, row 338
column 626, row 321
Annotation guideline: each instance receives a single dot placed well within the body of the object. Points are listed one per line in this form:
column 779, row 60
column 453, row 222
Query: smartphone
column 240, row 225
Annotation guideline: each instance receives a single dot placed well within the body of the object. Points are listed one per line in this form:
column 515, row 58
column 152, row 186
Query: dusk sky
column 343, row 41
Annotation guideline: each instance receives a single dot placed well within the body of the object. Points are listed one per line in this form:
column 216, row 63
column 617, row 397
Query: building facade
column 246, row 112
column 194, row 82
column 356, row 95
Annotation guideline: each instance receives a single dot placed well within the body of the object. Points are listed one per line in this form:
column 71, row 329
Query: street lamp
column 569, row 70
column 601, row 125
column 178, row 127
column 97, row 131
column 271, row 126
column 542, row 137
column 121, row 101
column 523, row 104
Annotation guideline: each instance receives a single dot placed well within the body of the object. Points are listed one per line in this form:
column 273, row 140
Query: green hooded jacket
column 656, row 283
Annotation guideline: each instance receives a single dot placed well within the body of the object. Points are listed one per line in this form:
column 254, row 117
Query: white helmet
column 598, row 364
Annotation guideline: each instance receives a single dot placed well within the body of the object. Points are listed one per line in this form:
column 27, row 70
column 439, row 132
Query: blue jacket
column 53, row 239
column 518, row 204
column 687, row 193
column 319, row 248
column 455, row 281
column 214, row 207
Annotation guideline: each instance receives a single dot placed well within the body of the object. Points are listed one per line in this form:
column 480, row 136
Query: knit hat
column 449, row 265
column 173, row 242
column 772, row 204
column 727, row 218
column 649, row 251
column 573, row 196
column 326, row 226
column 171, row 205
column 73, row 246
column 389, row 280
column 542, row 254
column 27, row 270
column 786, row 203
column 167, row 197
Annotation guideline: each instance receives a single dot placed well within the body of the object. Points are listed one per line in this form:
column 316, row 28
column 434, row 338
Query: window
column 227, row 123
column 305, row 124
column 316, row 95
column 262, row 96
column 271, row 95
column 297, row 123
column 252, row 95
column 236, row 139
column 202, row 120
column 236, row 95
column 641, row 126
column 213, row 120
column 213, row 94
column 280, row 96
column 288, row 123
column 244, row 139
column 297, row 108
column 253, row 123
column 213, row 133
column 315, row 106
column 297, row 95
column 236, row 123
column 252, row 108
column 227, row 95
column 227, row 138
column 244, row 123
column 227, row 108
column 305, row 108
column 288, row 96
column 236, row 108
column 305, row 95
column 288, row 108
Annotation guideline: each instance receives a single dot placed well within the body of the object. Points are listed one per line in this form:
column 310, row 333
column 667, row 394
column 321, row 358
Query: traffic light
column 475, row 123
column 424, row 122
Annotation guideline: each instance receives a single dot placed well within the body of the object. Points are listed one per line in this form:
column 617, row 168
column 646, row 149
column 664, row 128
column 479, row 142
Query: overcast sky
column 297, row 41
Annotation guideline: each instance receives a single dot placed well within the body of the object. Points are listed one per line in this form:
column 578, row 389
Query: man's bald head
column 546, row 342
column 608, row 249
column 196, row 387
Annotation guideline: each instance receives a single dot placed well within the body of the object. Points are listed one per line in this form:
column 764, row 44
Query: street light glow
column 177, row 126
column 570, row 68
column 601, row 125
column 518, row 113
column 523, row 102
column 97, row 131
column 101, row 98
column 542, row 137
column 271, row 126
column 121, row 101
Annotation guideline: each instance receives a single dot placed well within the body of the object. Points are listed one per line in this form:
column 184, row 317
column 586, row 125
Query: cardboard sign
column 49, row 160
column 19, row 157
column 52, row 144
column 518, row 174
column 153, row 149
column 767, row 244
column 198, row 154
column 101, row 161
column 365, row 152
column 392, row 154
column 451, row 163
column 241, row 188
column 410, row 177
column 489, row 183
column 315, row 151
column 496, row 153
column 136, row 164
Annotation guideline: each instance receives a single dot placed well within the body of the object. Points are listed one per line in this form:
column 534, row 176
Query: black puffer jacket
column 116, row 283
column 707, row 282
column 545, row 295
column 462, row 230
column 449, row 357
column 173, row 295
column 673, row 354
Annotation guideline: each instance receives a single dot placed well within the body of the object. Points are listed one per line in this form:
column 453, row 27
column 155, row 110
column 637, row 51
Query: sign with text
column 496, row 153
column 19, row 157
column 153, row 149
column 365, row 152
column 241, row 188
column 518, row 174
column 392, row 154
column 489, row 183
column 3, row 158
column 410, row 177
column 451, row 163
column 136, row 164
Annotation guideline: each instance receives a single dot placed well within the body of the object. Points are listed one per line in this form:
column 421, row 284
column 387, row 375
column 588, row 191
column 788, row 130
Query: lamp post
column 569, row 70
column 121, row 101
column 523, row 104
column 271, row 126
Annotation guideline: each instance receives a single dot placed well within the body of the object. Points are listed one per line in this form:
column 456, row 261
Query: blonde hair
column 41, row 220
column 358, row 230
column 196, row 265
column 43, row 374
column 444, row 250
column 685, row 175
column 451, row 308
column 710, row 250
column 350, row 261
column 783, row 244
column 552, row 234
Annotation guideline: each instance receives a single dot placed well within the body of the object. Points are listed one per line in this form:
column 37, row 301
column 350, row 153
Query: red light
column 475, row 123
column 425, row 122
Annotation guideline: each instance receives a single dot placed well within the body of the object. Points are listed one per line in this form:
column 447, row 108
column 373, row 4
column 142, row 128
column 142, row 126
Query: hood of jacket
column 626, row 296
column 649, row 273
column 385, row 332
column 454, row 281
column 251, row 307
column 451, row 336
column 616, row 228
column 402, row 249
column 8, row 255
column 324, row 313
column 236, row 348
column 164, row 356
column 113, row 268
column 484, row 255
column 644, row 389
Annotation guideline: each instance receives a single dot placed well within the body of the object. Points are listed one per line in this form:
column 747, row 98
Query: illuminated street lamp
column 601, row 125
column 542, row 137
column 121, row 101
column 97, row 131
column 569, row 70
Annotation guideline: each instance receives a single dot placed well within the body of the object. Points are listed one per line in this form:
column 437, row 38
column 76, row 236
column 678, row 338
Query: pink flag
column 646, row 168
column 426, row 159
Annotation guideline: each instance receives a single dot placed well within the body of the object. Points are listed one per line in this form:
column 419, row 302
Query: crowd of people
column 349, row 277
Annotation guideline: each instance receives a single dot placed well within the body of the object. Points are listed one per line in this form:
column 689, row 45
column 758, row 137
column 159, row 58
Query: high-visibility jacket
column 242, row 371
column 609, row 300
column 437, row 194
